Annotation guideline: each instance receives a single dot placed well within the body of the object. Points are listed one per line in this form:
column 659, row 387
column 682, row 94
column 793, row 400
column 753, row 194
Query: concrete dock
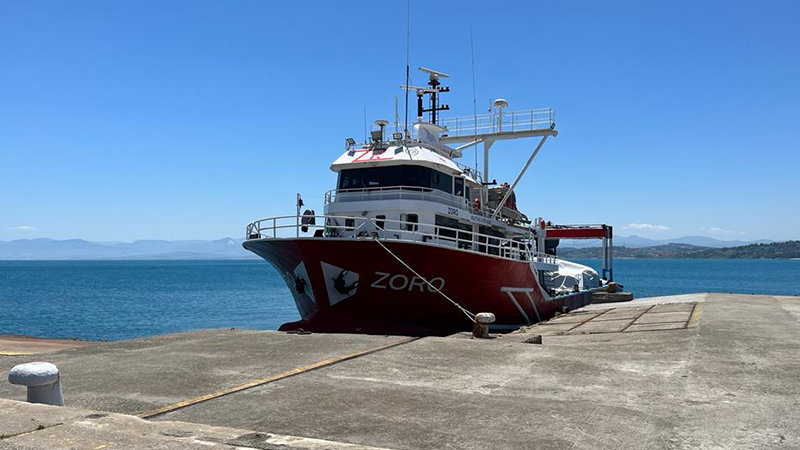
column 11, row 345
column 690, row 371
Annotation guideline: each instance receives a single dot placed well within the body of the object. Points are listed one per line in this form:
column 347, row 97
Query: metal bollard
column 43, row 382
column 481, row 328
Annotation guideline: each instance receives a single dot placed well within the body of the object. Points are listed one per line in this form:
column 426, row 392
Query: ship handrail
column 524, row 120
column 440, row 196
column 488, row 123
column 397, row 230
column 411, row 192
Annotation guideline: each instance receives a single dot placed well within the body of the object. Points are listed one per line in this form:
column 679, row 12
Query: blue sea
column 113, row 300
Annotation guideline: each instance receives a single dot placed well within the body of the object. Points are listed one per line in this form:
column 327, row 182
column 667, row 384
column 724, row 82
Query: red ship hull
column 357, row 286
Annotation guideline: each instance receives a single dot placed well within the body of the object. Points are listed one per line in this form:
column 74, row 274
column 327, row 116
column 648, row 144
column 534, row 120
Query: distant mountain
column 774, row 250
column 638, row 242
column 703, row 241
column 51, row 249
column 227, row 248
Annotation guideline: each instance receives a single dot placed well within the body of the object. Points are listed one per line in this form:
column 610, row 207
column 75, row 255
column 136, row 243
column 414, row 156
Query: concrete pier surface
column 690, row 371
column 11, row 345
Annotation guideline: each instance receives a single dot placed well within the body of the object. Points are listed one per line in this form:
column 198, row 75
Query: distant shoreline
column 256, row 260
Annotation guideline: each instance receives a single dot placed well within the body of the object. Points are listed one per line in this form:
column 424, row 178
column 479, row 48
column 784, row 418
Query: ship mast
column 534, row 123
column 433, row 90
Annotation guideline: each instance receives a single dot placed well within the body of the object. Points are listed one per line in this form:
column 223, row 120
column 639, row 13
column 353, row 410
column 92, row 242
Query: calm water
column 124, row 299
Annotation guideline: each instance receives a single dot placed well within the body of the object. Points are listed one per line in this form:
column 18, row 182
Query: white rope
column 469, row 315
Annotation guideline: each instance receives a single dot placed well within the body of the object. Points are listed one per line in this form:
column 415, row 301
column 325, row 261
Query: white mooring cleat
column 42, row 379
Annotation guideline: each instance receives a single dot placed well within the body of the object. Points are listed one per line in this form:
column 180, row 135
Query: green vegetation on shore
column 775, row 250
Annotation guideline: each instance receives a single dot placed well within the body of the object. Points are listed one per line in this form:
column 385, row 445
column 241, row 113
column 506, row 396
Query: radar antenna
column 435, row 88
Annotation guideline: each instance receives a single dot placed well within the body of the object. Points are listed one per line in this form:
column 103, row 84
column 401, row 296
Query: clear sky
column 125, row 120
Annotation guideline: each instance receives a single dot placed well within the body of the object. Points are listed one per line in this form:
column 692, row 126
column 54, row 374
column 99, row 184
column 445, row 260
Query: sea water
column 115, row 300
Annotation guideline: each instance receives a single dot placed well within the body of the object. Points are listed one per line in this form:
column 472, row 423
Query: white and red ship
column 413, row 242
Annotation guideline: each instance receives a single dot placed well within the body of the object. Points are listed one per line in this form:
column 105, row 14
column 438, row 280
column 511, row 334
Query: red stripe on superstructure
column 575, row 233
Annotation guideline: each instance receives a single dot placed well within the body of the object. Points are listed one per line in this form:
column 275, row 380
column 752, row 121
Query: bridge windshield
column 377, row 177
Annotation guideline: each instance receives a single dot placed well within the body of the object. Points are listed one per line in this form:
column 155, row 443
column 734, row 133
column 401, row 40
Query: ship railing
column 347, row 227
column 404, row 193
column 471, row 171
column 394, row 193
column 495, row 122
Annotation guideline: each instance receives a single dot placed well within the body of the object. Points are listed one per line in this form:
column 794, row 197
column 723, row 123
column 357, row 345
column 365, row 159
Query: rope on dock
column 470, row 315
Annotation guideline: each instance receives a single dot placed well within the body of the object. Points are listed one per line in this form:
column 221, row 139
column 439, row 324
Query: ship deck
column 699, row 371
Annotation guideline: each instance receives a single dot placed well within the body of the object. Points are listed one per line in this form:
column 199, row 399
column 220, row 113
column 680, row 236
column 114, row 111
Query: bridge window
column 377, row 177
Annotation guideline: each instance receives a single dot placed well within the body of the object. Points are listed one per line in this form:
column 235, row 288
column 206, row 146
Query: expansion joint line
column 637, row 318
column 588, row 320
column 25, row 433
column 470, row 315
column 694, row 317
column 280, row 376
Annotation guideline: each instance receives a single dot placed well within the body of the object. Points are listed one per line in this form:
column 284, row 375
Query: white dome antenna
column 378, row 135
column 500, row 104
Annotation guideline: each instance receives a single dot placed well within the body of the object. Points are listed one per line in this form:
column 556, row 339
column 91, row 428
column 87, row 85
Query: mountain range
column 772, row 250
column 79, row 249
column 639, row 242
column 229, row 248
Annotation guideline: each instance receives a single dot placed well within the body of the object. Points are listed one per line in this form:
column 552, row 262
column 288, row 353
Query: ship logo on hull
column 339, row 282
column 300, row 284
column 300, row 280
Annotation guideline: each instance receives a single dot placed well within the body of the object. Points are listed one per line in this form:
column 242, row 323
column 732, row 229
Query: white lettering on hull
column 400, row 282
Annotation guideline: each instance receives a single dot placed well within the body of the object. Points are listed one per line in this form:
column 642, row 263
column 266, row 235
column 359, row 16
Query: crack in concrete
column 40, row 427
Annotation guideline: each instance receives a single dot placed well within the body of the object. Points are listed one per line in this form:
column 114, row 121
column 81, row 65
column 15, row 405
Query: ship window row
column 461, row 233
column 414, row 176
column 408, row 222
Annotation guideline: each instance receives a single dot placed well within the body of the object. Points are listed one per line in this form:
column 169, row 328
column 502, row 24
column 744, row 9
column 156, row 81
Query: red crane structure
column 602, row 231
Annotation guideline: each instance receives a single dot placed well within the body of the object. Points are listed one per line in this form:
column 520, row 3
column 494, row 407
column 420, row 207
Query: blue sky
column 125, row 120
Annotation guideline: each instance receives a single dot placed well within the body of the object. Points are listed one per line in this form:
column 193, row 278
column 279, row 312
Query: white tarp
column 570, row 274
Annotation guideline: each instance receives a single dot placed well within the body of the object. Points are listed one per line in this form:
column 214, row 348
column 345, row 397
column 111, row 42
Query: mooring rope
column 466, row 312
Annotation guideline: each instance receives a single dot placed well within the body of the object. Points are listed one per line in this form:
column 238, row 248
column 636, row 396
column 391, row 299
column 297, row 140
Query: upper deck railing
column 405, row 193
column 493, row 122
column 395, row 193
column 527, row 120
column 344, row 227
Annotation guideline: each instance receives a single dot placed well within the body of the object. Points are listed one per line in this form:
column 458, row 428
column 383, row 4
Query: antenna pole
column 408, row 47
column 474, row 99
column 406, row 126
column 396, row 114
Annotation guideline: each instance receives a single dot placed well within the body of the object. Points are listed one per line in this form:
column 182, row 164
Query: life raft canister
column 308, row 219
